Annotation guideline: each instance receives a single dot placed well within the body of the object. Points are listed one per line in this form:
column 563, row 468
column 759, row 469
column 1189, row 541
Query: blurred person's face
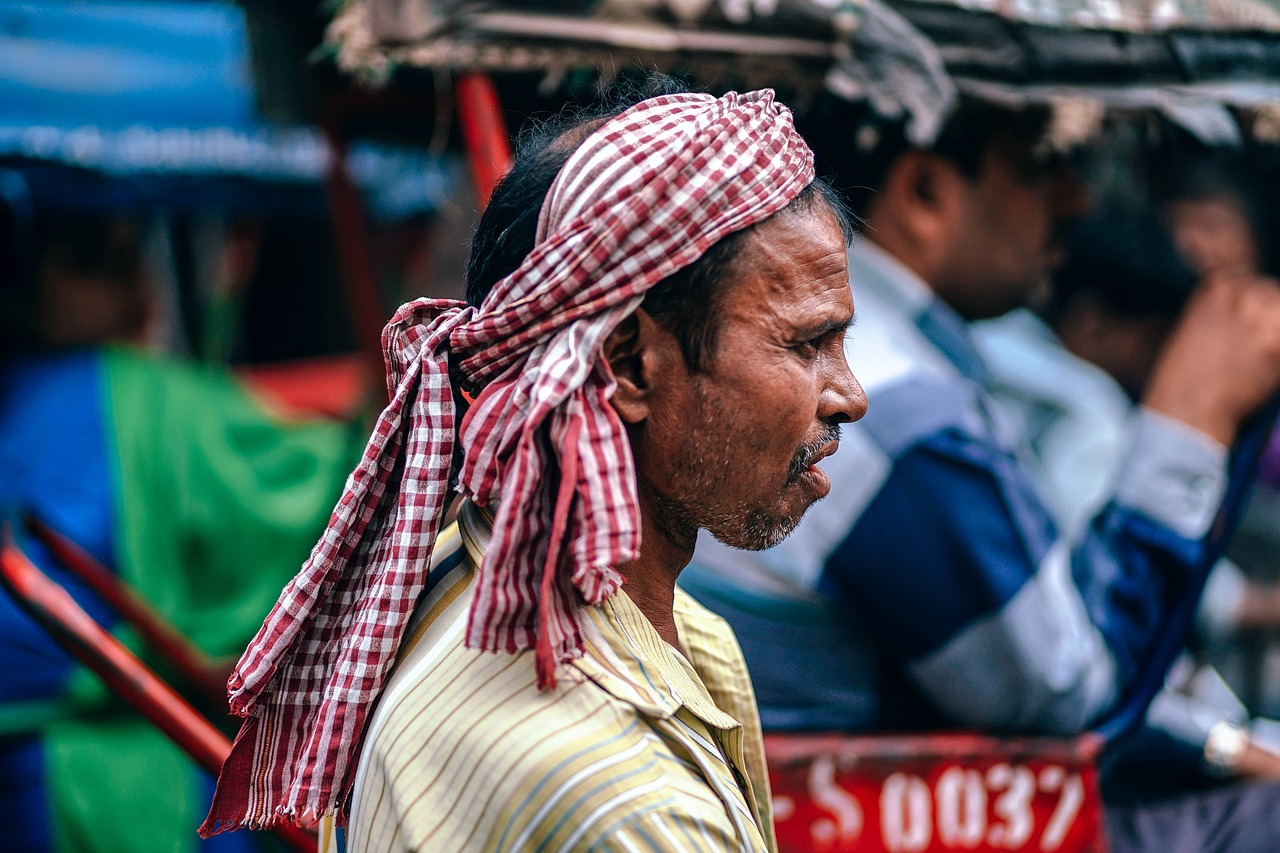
column 1214, row 236
column 1005, row 230
column 92, row 294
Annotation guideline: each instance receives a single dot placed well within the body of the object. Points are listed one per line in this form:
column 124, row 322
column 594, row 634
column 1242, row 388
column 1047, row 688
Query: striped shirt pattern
column 637, row 748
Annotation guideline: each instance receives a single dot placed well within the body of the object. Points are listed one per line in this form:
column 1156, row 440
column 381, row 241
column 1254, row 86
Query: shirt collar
column 626, row 656
column 874, row 268
column 908, row 295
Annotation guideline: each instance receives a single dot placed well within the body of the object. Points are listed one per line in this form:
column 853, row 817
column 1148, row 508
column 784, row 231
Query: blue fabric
column 1130, row 571
column 134, row 105
column 53, row 461
column 1245, row 457
column 951, row 537
column 947, row 331
column 955, row 533
column 821, row 687
column 24, row 807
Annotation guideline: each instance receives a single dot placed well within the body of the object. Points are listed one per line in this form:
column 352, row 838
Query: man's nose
column 842, row 399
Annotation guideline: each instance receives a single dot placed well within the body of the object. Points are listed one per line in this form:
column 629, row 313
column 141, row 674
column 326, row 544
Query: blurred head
column 1119, row 292
column 977, row 215
column 1215, row 220
column 731, row 376
column 76, row 281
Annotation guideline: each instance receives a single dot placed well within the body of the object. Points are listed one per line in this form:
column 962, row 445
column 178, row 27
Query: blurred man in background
column 942, row 583
column 1067, row 374
column 1066, row 381
column 1218, row 223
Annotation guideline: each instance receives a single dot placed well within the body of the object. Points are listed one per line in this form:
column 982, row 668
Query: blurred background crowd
column 208, row 209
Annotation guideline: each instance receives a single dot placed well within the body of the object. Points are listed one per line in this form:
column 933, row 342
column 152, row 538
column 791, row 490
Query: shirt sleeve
column 670, row 830
column 956, row 567
column 1219, row 613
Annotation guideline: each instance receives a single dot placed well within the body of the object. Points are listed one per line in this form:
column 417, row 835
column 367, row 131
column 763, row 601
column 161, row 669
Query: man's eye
column 808, row 348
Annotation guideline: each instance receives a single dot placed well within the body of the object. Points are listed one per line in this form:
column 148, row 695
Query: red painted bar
column 191, row 664
column 484, row 131
column 126, row 676
column 355, row 258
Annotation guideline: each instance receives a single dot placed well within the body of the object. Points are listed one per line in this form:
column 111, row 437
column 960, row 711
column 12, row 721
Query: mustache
column 807, row 452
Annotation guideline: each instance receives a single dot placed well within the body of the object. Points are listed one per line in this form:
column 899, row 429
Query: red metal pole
column 484, row 131
column 192, row 664
column 130, row 679
column 59, row 614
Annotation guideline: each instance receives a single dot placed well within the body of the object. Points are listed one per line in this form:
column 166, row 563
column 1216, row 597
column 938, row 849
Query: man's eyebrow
column 826, row 327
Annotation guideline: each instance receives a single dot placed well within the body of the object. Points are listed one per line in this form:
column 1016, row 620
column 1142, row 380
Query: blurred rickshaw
column 1210, row 69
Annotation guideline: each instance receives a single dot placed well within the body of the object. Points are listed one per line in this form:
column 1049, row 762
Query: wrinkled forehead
column 799, row 255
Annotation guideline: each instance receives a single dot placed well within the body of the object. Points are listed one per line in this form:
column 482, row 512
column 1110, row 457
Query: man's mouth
column 823, row 452
column 804, row 463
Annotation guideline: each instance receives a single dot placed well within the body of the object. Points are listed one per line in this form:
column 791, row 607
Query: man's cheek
column 766, row 438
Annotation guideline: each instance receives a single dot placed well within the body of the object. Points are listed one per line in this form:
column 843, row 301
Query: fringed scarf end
column 280, row 816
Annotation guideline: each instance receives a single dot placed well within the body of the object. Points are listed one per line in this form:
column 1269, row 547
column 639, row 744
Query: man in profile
column 653, row 345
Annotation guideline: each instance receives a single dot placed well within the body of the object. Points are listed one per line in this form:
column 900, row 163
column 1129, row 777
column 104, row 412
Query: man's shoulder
column 478, row 698
column 475, row 755
column 1028, row 362
column 913, row 389
column 923, row 405
column 440, row 677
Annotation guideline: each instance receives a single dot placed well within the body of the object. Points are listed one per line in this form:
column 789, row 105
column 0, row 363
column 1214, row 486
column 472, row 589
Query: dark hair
column 686, row 302
column 856, row 146
column 1126, row 260
column 1211, row 176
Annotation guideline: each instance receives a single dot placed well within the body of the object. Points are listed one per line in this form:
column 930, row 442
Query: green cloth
column 218, row 504
column 119, row 785
column 219, row 501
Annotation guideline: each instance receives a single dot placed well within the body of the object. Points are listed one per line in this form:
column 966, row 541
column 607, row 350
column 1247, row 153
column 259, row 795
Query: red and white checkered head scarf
column 643, row 196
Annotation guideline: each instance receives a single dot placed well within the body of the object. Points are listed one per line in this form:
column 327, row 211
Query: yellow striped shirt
column 637, row 748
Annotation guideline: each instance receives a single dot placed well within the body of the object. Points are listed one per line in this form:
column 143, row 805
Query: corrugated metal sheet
column 1186, row 58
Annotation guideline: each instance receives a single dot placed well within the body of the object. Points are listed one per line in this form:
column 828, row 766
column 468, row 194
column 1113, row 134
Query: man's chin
column 758, row 531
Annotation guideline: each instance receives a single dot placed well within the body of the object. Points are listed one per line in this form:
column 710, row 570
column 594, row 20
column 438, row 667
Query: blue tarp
column 160, row 91
column 67, row 64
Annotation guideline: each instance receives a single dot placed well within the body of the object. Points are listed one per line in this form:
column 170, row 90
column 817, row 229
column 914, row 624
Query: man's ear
column 921, row 189
column 637, row 351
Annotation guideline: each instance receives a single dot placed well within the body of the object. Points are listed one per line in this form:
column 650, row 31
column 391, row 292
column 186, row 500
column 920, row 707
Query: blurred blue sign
column 150, row 89
column 66, row 64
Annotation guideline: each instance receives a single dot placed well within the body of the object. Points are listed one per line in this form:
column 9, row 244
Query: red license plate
column 951, row 792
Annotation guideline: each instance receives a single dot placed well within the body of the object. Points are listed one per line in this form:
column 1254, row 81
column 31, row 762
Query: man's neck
column 651, row 579
column 652, row 590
